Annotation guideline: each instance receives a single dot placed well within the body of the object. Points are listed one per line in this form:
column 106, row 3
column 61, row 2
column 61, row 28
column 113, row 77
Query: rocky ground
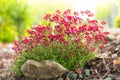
column 7, row 57
column 105, row 67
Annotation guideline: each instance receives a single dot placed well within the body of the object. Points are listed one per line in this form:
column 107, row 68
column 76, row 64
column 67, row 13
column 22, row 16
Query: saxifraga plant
column 71, row 41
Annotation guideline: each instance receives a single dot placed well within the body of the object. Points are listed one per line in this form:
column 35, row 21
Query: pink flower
column 68, row 11
column 106, row 33
column 76, row 13
column 83, row 28
column 87, row 12
column 14, row 48
column 102, row 47
column 93, row 21
column 25, row 40
column 88, row 37
column 69, row 17
column 58, row 11
column 47, row 16
column 16, row 43
column 93, row 28
column 65, row 43
column 51, row 37
column 67, row 28
column 63, row 21
column 55, row 17
column 103, row 23
column 90, row 15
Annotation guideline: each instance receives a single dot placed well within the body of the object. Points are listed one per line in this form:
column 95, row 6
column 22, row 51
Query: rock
column 114, row 32
column 78, row 71
column 108, row 78
column 60, row 79
column 44, row 70
column 80, row 76
column 114, row 55
column 67, row 78
column 11, row 78
column 118, row 38
column 72, row 75
column 105, row 54
column 87, row 72
column 116, row 61
column 117, row 64
column 1, row 65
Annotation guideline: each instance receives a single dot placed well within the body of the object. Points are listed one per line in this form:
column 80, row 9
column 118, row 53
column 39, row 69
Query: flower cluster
column 68, row 28
column 66, row 38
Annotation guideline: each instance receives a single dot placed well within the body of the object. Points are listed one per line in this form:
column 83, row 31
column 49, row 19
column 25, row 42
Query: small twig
column 97, row 74
column 105, row 74
column 108, row 69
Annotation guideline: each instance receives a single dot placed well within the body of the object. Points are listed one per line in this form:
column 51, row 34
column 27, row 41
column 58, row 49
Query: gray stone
column 87, row 72
column 44, row 70
column 114, row 55
column 108, row 78
column 72, row 75
column 80, row 76
column 60, row 79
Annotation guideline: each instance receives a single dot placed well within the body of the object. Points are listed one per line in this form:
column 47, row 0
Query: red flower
column 93, row 21
column 76, row 13
column 87, row 37
column 68, row 11
column 16, row 43
column 67, row 27
column 102, row 47
column 55, row 18
column 93, row 28
column 83, row 28
column 47, row 16
column 69, row 17
column 14, row 48
column 87, row 12
column 106, row 33
column 58, row 11
column 25, row 40
column 90, row 15
column 103, row 23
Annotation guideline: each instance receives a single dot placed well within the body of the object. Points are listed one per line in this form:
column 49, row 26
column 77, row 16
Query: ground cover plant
column 67, row 38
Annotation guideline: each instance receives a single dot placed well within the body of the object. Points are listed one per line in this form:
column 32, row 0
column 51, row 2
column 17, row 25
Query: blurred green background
column 16, row 16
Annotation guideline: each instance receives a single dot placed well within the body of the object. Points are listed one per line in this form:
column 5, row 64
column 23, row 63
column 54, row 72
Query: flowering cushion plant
column 66, row 38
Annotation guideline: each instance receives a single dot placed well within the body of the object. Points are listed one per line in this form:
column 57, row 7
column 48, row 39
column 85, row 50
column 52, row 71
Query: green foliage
column 20, row 15
column 18, row 63
column 80, row 56
column 117, row 21
column 14, row 16
column 99, row 11
column 7, row 34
